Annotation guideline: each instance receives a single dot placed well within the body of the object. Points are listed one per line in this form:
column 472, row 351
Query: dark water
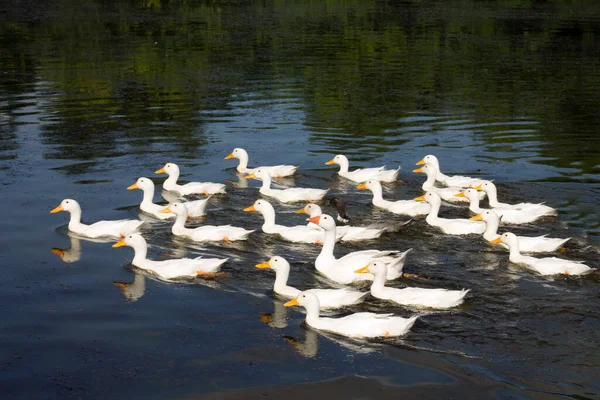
column 95, row 94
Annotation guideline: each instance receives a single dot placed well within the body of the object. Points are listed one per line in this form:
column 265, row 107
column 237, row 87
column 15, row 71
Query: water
column 96, row 95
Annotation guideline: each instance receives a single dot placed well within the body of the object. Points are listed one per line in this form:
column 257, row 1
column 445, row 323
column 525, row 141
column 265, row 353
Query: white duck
column 363, row 174
column 348, row 233
column 169, row 269
column 527, row 244
column 406, row 207
column 490, row 189
column 196, row 208
column 114, row 229
column 508, row 215
column 328, row 298
column 286, row 195
column 342, row 270
column 358, row 325
column 456, row 180
column 278, row 171
column 171, row 184
column 456, row 226
column 206, row 232
column 418, row 297
column 446, row 193
column 545, row 266
column 297, row 233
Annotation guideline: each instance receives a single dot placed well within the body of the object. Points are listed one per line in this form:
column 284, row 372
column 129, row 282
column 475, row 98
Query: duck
column 297, row 234
column 357, row 325
column 342, row 270
column 527, row 244
column 455, row 180
column 328, row 298
column 446, row 193
column 508, row 215
column 203, row 233
column 277, row 171
column 406, row 207
column 347, row 233
column 173, row 268
column 546, row 265
column 286, row 195
column 171, row 184
column 456, row 226
column 492, row 192
column 112, row 229
column 362, row 174
column 196, row 208
column 417, row 297
column 340, row 207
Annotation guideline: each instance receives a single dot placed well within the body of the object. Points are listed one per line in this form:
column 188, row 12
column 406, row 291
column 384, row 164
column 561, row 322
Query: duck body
column 113, row 229
column 358, row 325
column 328, row 298
column 171, row 184
column 342, row 270
column 457, row 181
column 546, row 265
column 527, row 244
column 169, row 269
column 456, row 226
column 362, row 174
column 290, row 195
column 446, row 193
column 205, row 232
column 537, row 210
column 277, row 171
column 346, row 233
column 405, row 207
column 417, row 297
column 196, row 208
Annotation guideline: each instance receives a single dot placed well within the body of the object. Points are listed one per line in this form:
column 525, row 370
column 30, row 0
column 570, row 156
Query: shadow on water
column 95, row 95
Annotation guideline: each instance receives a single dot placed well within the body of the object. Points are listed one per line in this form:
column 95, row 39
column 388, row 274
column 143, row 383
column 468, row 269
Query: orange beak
column 120, row 243
column 263, row 265
column 421, row 162
column 420, row 198
column 57, row 209
column 229, row 156
column 479, row 188
column 132, row 187
column 477, row 217
column 497, row 240
column 292, row 303
column 250, row 209
column 332, row 161
column 363, row 270
column 461, row 194
column 300, row 211
column 315, row 219
column 250, row 176
column 160, row 171
column 166, row 210
column 362, row 186
column 418, row 170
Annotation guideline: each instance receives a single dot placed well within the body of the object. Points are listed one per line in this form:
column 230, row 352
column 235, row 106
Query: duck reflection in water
column 135, row 290
column 276, row 319
column 70, row 255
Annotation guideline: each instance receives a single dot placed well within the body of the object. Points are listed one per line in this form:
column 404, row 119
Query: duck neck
column 429, row 182
column 148, row 196
column 326, row 254
column 344, row 166
column 281, row 278
column 492, row 197
column 312, row 313
column 515, row 253
column 171, row 180
column 75, row 220
column 378, row 197
column 379, row 281
column 266, row 184
column 474, row 204
column 269, row 215
column 179, row 224
column 243, row 165
column 491, row 229
column 140, row 253
column 432, row 217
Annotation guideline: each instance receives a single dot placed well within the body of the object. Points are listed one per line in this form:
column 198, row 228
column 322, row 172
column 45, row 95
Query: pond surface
column 95, row 94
